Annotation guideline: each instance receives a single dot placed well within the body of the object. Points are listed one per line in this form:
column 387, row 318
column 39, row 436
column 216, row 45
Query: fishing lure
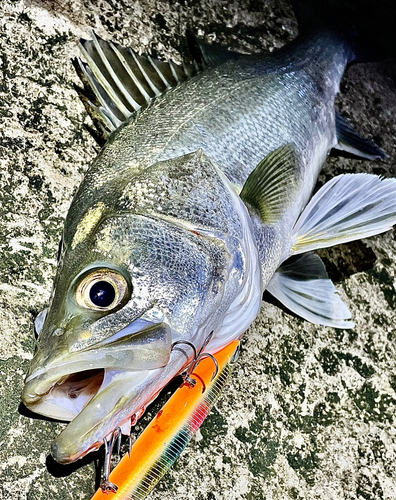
column 163, row 440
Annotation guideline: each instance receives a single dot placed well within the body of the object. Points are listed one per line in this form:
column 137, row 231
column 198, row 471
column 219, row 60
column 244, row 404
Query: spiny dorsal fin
column 352, row 142
column 123, row 81
column 302, row 285
column 268, row 187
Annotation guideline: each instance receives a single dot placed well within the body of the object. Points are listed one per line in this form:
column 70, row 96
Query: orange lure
column 166, row 436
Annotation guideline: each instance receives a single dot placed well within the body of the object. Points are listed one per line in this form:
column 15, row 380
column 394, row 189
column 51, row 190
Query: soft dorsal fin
column 352, row 142
column 268, row 187
column 123, row 81
column 210, row 54
column 302, row 285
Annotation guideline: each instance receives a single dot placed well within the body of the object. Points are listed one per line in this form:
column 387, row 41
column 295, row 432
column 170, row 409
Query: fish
column 200, row 200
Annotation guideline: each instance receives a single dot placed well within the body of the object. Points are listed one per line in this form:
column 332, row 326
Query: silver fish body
column 236, row 113
column 158, row 221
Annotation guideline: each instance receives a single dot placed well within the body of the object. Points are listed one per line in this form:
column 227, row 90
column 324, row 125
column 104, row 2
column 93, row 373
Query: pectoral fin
column 352, row 142
column 349, row 207
column 268, row 187
column 302, row 285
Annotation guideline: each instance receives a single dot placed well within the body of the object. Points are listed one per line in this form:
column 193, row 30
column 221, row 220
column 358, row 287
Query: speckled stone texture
column 310, row 411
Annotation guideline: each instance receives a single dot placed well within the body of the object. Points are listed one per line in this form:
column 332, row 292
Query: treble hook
column 130, row 443
column 198, row 357
column 107, row 486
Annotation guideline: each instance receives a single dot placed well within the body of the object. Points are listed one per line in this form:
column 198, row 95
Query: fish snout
column 64, row 453
column 29, row 395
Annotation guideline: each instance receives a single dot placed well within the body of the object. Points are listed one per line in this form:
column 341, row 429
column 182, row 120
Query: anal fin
column 302, row 285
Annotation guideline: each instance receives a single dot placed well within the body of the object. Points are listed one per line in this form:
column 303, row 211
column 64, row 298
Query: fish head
column 129, row 284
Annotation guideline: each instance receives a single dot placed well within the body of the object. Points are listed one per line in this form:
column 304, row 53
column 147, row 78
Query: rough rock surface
column 310, row 411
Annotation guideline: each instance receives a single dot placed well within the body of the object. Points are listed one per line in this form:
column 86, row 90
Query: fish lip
column 59, row 453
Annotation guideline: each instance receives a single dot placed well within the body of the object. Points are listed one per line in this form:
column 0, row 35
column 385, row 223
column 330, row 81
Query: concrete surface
column 310, row 411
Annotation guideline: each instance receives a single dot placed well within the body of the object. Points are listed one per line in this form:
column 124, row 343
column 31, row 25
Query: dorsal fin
column 209, row 54
column 268, row 187
column 122, row 81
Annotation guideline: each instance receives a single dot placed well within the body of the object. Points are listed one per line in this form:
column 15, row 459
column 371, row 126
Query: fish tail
column 367, row 27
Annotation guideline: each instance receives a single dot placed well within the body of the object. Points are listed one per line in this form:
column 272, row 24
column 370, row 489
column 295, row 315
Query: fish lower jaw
column 119, row 403
column 64, row 454
column 94, row 402
column 97, row 416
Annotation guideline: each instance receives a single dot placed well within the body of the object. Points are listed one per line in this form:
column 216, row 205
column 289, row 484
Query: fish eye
column 102, row 294
column 101, row 290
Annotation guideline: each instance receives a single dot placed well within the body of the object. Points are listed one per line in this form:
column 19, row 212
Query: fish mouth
column 142, row 345
column 67, row 397
column 118, row 403
column 102, row 388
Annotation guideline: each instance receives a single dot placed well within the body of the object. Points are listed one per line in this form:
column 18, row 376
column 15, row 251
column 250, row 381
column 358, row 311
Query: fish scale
column 264, row 120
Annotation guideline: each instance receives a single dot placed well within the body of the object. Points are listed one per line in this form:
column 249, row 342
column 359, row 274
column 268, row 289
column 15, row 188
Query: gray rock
column 310, row 411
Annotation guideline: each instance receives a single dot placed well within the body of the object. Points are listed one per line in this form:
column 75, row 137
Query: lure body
column 166, row 436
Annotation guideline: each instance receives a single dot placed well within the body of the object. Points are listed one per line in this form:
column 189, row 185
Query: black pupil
column 102, row 294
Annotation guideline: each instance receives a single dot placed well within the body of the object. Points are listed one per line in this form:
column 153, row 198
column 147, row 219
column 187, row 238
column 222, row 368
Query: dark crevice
column 345, row 260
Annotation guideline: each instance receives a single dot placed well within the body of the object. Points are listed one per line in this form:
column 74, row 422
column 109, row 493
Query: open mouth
column 70, row 395
column 102, row 388
column 79, row 374
column 84, row 384
column 95, row 402
column 101, row 402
